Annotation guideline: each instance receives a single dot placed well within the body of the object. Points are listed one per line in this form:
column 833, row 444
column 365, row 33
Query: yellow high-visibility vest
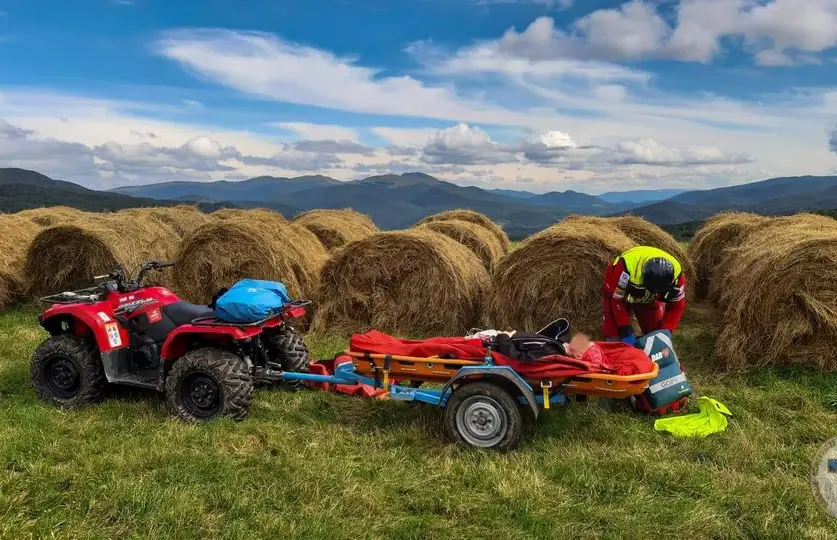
column 636, row 258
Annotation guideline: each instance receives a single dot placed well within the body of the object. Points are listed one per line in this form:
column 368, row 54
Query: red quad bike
column 126, row 332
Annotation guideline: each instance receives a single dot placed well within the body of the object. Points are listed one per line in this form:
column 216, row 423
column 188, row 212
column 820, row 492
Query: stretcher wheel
column 483, row 415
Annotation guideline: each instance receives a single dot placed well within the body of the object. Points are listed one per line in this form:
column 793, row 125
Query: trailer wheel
column 205, row 383
column 483, row 415
column 67, row 369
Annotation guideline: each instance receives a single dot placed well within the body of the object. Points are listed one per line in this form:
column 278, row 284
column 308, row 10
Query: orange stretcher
column 386, row 367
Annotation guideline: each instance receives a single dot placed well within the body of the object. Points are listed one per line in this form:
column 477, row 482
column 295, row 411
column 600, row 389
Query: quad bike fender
column 177, row 344
column 503, row 375
column 95, row 322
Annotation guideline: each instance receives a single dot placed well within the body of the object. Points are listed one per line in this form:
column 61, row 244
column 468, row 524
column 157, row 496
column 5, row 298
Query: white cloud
column 319, row 131
column 651, row 152
column 465, row 145
column 20, row 148
column 556, row 139
column 632, row 31
column 204, row 147
column 549, row 147
column 775, row 31
column 114, row 163
column 700, row 24
column 832, row 141
column 263, row 65
column 523, row 57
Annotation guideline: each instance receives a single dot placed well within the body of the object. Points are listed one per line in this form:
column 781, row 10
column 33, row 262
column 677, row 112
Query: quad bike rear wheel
column 207, row 383
column 483, row 415
column 286, row 347
column 67, row 369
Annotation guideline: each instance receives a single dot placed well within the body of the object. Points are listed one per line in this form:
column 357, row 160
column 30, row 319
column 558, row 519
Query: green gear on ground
column 712, row 418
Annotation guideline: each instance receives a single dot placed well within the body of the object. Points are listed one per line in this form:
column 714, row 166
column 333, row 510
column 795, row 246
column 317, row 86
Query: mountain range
column 392, row 201
column 398, row 201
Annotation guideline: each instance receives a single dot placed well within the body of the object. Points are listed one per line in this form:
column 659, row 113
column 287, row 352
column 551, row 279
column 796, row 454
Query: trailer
column 484, row 402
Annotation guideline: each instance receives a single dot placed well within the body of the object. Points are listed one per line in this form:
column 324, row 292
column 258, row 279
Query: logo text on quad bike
column 136, row 303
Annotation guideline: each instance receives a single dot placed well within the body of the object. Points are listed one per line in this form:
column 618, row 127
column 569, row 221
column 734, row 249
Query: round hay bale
column 230, row 213
column 11, row 288
column 415, row 282
column 713, row 242
column 16, row 234
column 309, row 253
column 54, row 215
column 66, row 257
column 557, row 272
column 221, row 252
column 804, row 220
column 472, row 217
column 780, row 297
column 182, row 218
column 724, row 280
column 336, row 228
column 478, row 239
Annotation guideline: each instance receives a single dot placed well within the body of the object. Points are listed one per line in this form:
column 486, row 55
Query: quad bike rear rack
column 289, row 309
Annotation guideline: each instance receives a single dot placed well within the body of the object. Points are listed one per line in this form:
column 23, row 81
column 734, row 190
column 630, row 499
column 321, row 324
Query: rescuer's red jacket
column 624, row 292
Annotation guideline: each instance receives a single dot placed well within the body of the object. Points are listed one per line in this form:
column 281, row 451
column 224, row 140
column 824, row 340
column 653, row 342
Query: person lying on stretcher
column 580, row 351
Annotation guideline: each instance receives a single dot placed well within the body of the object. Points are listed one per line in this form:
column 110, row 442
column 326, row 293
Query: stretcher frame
column 436, row 369
column 386, row 371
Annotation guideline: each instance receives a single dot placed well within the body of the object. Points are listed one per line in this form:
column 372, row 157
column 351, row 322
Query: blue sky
column 543, row 95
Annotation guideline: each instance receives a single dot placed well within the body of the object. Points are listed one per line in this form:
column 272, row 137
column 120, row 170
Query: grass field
column 314, row 465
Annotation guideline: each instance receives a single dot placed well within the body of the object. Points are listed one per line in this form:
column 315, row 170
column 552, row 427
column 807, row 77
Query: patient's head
column 578, row 345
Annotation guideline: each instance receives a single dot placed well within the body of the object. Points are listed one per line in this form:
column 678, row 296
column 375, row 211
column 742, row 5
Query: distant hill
column 513, row 194
column 773, row 197
column 21, row 189
column 262, row 188
column 671, row 212
column 574, row 201
column 641, row 196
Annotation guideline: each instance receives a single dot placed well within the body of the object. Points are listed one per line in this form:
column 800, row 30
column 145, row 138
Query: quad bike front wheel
column 67, row 369
column 483, row 415
column 207, row 383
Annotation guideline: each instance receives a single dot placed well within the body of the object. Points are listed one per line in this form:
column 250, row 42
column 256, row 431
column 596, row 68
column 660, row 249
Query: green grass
column 314, row 465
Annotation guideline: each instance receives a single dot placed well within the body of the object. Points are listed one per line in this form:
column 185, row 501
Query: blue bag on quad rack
column 251, row 300
column 670, row 386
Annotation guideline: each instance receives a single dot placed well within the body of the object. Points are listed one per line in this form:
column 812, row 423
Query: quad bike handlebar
column 115, row 281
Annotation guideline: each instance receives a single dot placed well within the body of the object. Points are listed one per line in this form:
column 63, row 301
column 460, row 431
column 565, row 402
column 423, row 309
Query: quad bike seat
column 183, row 312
